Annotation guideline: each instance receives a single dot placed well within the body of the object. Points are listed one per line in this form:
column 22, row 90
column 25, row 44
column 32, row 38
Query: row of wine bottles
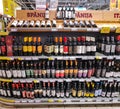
column 28, row 46
column 66, row 12
column 45, row 68
column 82, row 24
column 32, row 23
column 61, row 89
column 109, row 45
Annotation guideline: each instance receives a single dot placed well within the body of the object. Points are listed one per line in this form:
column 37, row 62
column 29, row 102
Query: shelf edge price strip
column 105, row 30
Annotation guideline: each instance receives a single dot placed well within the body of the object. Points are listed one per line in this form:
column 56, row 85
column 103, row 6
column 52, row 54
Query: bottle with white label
column 48, row 90
column 20, row 23
column 47, row 14
column 93, row 46
column 7, row 70
column 108, row 73
column 48, row 23
column 85, row 70
column 62, row 90
column 14, row 71
column 59, row 12
column 31, row 24
column 26, row 23
column 104, row 65
column 60, row 46
column 37, row 23
column 19, row 75
column 23, row 74
column 104, row 89
column 93, row 23
column 14, row 23
column 113, row 45
column 83, row 39
column 88, row 45
column 53, row 23
column 3, row 73
column 58, row 90
column 44, row 89
column 53, row 93
column 14, row 92
column 79, row 46
column 43, row 23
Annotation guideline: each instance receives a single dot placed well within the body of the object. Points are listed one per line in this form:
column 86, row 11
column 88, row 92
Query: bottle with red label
column 3, row 47
column 23, row 90
column 89, row 69
column 65, row 49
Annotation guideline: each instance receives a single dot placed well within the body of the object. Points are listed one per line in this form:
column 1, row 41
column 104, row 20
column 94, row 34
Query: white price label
column 13, row 29
column 89, row 29
column 96, row 29
column 74, row 29
column 54, row 29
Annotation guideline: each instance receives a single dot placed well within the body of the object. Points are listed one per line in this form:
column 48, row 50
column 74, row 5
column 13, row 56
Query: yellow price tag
column 59, row 100
column 117, row 30
column 19, row 58
column 50, row 58
column 4, row 58
column 50, row 100
column 105, row 30
column 35, row 81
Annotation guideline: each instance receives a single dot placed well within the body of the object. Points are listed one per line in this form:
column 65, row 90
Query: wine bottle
column 85, row 70
column 68, row 89
column 44, row 72
column 57, row 89
column 71, row 69
column 74, row 45
column 37, row 23
column 25, row 47
column 52, row 70
column 56, row 46
column 31, row 24
column 26, row 23
column 57, row 71
column 62, row 72
column 74, row 89
column 118, row 45
column 48, row 74
column 79, row 91
column 39, row 47
column 62, row 94
column 14, row 23
column 47, row 13
column 19, row 24
column 70, row 46
column 54, row 23
column 43, row 23
column 23, row 73
column 66, row 69
column 93, row 23
column 53, row 92
column 34, row 46
column 113, row 45
column 60, row 46
column 48, row 23
column 48, row 90
column 80, row 69
column 65, row 49
column 35, row 69
column 75, row 69
column 29, row 46
column 44, row 89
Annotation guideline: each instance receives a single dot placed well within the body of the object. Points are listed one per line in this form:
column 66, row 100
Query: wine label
column 3, row 73
column 58, row 94
column 100, row 92
column 37, row 23
column 108, row 74
column 88, row 48
column 4, row 93
column 66, row 14
column 14, row 23
column 85, row 73
column 24, row 94
column 107, row 48
column 53, row 73
column 1, row 91
column 61, row 49
column 47, row 14
column 102, row 47
column 80, row 73
column 25, row 48
column 79, row 49
column 57, row 73
column 8, row 73
column 15, row 74
column 118, row 48
column 79, row 94
column 74, row 93
column 18, row 93
column 90, row 73
column 113, row 48
column 98, row 73
column 14, row 92
column 93, row 48
column 62, row 94
column 19, row 74
column 44, row 93
column 8, row 93
column 103, row 72
column 23, row 74
column 116, row 74
column 69, row 14
column 70, row 50
column 56, row 49
column 35, row 73
column 44, row 73
column 31, row 23
column 48, row 93
column 48, row 73
column 62, row 73
column 83, row 49
column 53, row 93
column 65, row 49
column 108, row 94
column 96, row 93
column 39, row 49
column 27, row 73
column 103, row 94
column 29, row 48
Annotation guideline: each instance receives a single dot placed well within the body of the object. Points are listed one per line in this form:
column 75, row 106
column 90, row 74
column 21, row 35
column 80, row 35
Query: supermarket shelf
column 4, row 33
column 58, row 79
column 64, row 79
column 98, row 55
column 60, row 101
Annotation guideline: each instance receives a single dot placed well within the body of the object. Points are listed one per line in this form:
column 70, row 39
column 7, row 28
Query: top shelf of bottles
column 80, row 21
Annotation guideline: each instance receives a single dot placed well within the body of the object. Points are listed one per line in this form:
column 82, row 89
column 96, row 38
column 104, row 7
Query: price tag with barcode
column 105, row 30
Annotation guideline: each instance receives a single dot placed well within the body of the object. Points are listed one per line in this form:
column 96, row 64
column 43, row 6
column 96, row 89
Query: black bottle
column 113, row 45
column 48, row 69
column 104, row 89
column 62, row 90
column 68, row 89
column 44, row 69
column 15, row 47
column 40, row 90
column 74, row 46
column 104, row 65
column 18, row 93
column 8, row 90
column 52, row 70
column 74, row 89
column 98, row 68
column 36, row 90
column 79, row 91
column 57, row 89
column 53, row 92
column 44, row 89
column 48, row 90
column 70, row 46
column 20, row 46
column 35, row 69
column 107, row 45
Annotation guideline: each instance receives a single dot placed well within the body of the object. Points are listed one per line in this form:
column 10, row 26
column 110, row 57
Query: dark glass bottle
column 35, row 69
column 25, row 47
column 48, row 69
column 57, row 89
column 83, row 39
column 44, row 72
column 15, row 47
column 44, row 88
column 68, row 89
column 75, row 69
column 104, row 89
column 97, row 89
column 53, row 92
column 85, row 70
column 19, row 75
column 107, row 45
column 40, row 90
column 113, row 45
column 36, row 90
column 66, row 69
column 3, row 47
column 7, row 69
column 23, row 73
column 90, row 69
column 61, row 46
column 70, row 46
column 27, row 69
column 71, row 69
column 79, row 46
column 74, row 46
column 62, row 90
column 48, row 89
column 57, row 71
column 8, row 90
column 74, row 89
column 40, row 69
column 52, row 69
column 62, row 72
column 79, row 91
column 30, row 46
column 104, row 65
column 80, row 69
column 18, row 93
column 20, row 46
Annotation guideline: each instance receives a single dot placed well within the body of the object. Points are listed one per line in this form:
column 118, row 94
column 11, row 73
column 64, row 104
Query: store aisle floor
column 67, row 107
